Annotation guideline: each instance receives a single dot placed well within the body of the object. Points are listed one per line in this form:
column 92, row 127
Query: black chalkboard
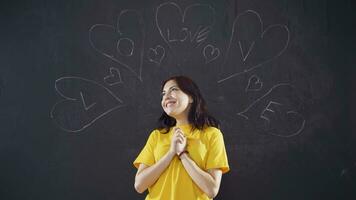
column 80, row 92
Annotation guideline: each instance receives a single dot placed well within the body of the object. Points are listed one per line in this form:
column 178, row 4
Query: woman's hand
column 182, row 141
column 178, row 142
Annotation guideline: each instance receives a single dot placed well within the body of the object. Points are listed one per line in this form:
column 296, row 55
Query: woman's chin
column 170, row 113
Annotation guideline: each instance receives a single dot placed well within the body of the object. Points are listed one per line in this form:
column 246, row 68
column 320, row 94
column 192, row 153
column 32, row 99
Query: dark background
column 70, row 130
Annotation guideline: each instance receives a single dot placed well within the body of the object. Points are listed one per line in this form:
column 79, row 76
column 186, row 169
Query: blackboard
column 80, row 92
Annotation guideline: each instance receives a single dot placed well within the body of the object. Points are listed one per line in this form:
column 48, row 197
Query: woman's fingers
column 181, row 136
column 180, row 140
column 178, row 136
column 178, row 131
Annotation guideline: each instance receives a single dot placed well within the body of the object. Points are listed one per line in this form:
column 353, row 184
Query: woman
column 185, row 157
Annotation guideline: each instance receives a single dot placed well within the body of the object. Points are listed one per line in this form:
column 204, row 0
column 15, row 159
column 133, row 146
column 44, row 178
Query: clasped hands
column 178, row 141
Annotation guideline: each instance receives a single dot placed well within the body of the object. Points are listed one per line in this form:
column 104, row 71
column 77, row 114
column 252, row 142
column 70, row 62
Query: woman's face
column 175, row 102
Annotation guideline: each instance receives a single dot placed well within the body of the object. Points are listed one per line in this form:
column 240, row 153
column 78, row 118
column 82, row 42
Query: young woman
column 185, row 157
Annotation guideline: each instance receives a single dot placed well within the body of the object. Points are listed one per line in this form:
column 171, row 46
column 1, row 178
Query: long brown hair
column 198, row 115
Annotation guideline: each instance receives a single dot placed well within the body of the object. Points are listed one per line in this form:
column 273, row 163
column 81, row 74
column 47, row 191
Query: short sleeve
column 146, row 155
column 217, row 157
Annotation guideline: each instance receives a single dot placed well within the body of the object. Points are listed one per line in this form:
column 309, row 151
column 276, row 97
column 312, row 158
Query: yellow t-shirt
column 205, row 147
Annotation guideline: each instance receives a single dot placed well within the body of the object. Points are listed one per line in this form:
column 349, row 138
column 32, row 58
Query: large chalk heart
column 85, row 101
column 276, row 112
column 251, row 45
column 123, row 43
column 190, row 26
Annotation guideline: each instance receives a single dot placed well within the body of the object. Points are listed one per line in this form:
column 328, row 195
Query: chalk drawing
column 183, row 33
column 210, row 53
column 269, row 108
column 72, row 98
column 126, row 45
column 156, row 54
column 254, row 84
column 259, row 39
column 114, row 77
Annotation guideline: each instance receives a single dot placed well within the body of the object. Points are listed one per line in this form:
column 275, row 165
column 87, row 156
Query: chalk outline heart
column 255, row 83
column 69, row 99
column 183, row 14
column 154, row 50
column 117, row 29
column 112, row 75
column 263, row 32
column 213, row 49
column 291, row 112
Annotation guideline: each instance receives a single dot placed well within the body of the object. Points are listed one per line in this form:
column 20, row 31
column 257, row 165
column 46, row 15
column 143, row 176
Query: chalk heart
column 114, row 77
column 85, row 101
column 276, row 112
column 210, row 53
column 122, row 43
column 156, row 54
column 254, row 83
column 254, row 44
column 192, row 24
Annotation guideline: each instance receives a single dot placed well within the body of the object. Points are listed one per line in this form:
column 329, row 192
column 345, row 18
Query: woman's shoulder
column 158, row 131
column 212, row 131
column 153, row 134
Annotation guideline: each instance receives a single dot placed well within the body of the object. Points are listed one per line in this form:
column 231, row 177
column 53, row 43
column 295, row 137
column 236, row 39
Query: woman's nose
column 167, row 94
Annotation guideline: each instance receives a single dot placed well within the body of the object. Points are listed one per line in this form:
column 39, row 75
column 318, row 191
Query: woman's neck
column 182, row 121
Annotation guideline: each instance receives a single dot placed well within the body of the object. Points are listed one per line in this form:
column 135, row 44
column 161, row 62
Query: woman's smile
column 170, row 102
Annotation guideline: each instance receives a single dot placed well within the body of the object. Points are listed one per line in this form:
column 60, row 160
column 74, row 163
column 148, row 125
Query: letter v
column 244, row 57
column 84, row 104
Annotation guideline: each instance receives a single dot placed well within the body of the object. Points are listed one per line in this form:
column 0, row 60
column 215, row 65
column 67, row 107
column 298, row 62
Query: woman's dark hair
column 198, row 115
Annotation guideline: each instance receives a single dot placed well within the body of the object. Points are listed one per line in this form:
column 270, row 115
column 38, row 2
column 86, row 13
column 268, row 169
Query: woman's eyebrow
column 170, row 87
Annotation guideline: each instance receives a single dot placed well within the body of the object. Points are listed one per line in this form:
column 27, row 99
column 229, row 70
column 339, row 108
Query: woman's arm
column 148, row 175
column 208, row 182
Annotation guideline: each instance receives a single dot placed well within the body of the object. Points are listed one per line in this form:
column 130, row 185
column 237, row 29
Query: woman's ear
column 191, row 100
